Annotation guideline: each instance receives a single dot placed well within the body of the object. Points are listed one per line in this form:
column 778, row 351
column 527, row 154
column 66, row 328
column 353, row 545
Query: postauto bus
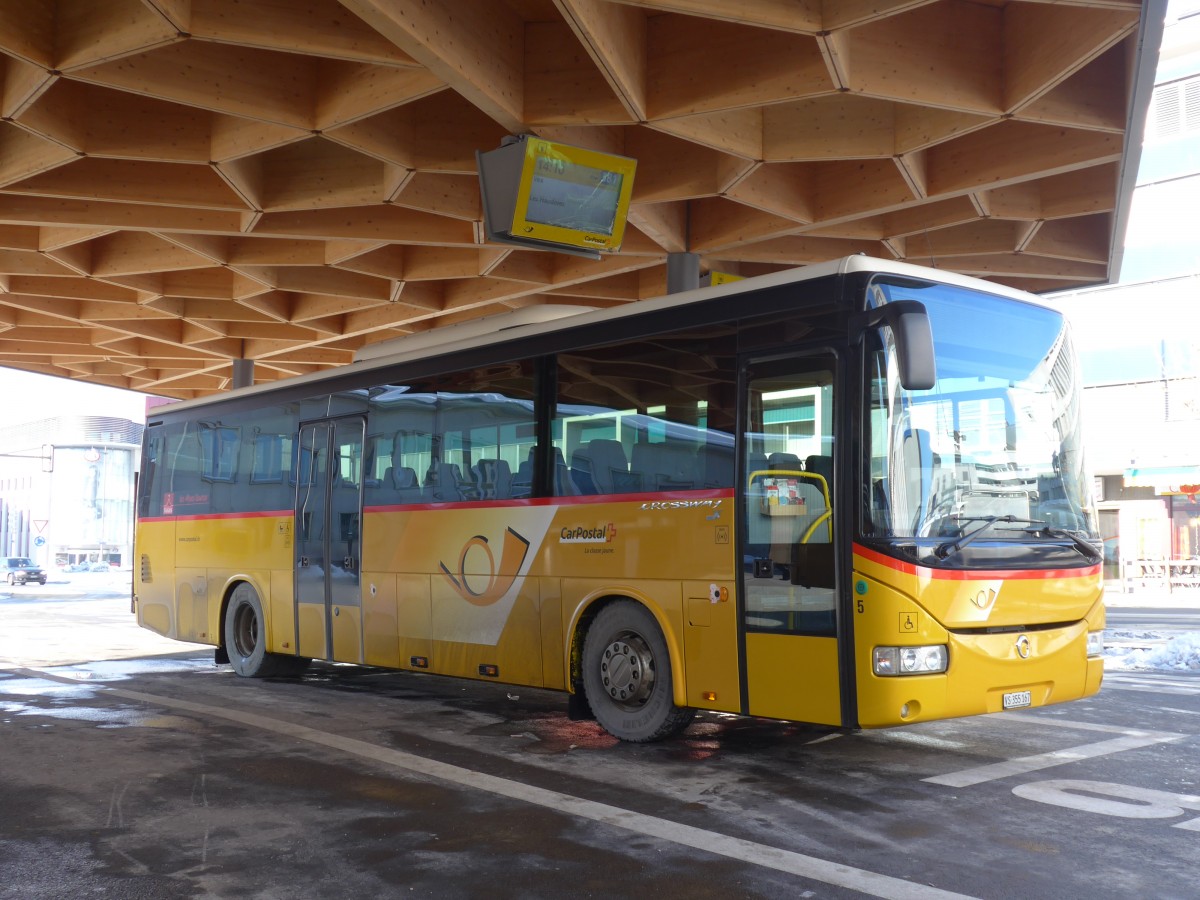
column 851, row 494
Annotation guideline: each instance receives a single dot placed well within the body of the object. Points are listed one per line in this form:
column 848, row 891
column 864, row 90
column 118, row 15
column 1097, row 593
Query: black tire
column 246, row 640
column 11, row 580
column 627, row 675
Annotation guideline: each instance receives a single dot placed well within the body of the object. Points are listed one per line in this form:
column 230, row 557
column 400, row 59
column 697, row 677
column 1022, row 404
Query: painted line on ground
column 1153, row 687
column 1025, row 764
column 1172, row 709
column 1055, row 721
column 790, row 862
column 1136, row 676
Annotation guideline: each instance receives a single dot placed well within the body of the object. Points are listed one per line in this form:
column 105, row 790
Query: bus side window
column 647, row 416
column 444, row 482
column 600, row 467
column 150, row 484
column 187, row 492
column 494, row 479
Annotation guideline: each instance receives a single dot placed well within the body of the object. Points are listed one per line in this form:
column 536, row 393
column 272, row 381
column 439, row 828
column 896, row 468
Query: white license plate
column 1017, row 699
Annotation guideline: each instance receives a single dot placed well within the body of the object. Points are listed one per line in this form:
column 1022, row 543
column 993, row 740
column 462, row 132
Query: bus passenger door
column 329, row 473
column 789, row 538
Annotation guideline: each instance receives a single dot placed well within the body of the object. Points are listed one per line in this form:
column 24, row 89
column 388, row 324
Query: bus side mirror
column 914, row 340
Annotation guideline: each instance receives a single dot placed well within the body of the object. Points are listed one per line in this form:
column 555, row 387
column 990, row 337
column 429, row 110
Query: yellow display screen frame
column 558, row 162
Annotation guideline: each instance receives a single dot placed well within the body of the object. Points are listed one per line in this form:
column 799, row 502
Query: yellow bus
column 851, row 494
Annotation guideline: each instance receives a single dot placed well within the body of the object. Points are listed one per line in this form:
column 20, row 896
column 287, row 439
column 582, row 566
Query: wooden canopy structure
column 186, row 183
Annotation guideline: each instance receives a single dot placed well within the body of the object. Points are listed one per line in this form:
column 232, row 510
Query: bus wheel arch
column 244, row 636
column 627, row 671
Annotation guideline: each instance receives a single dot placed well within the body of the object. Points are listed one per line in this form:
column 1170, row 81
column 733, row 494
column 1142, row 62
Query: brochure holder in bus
column 795, row 503
column 782, row 496
column 787, row 492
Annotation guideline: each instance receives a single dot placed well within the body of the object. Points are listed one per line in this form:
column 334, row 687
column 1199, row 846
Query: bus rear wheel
column 246, row 639
column 627, row 675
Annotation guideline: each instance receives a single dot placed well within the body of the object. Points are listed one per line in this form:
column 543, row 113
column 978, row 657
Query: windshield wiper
column 941, row 551
column 1088, row 550
column 1034, row 528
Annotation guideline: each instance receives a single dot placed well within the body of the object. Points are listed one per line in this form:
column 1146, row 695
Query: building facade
column 1140, row 347
column 67, row 490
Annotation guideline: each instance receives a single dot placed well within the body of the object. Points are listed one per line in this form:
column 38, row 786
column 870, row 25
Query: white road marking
column 1155, row 689
column 1182, row 676
column 1055, row 721
column 1024, row 764
column 1154, row 684
column 823, row 738
column 811, row 867
column 1111, row 799
column 1172, row 709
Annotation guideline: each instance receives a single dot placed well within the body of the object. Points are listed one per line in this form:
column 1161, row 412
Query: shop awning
column 1165, row 479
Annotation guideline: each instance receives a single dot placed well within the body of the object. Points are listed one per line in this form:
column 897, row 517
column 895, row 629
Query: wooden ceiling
column 188, row 182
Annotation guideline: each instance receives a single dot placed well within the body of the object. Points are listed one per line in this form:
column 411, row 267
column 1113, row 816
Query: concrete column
column 243, row 373
column 683, row 272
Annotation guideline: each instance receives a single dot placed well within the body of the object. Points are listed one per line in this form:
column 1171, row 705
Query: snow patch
column 1180, row 653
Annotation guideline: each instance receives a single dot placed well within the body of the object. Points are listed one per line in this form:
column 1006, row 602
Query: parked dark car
column 21, row 570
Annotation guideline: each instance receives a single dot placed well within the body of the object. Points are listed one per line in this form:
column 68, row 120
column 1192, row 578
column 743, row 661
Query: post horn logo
column 984, row 598
column 499, row 581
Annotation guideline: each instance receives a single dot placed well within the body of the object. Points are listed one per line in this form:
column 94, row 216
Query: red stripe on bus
column 652, row 497
column 204, row 517
column 908, row 568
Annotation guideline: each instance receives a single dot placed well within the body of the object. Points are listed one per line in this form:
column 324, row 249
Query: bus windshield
column 994, row 447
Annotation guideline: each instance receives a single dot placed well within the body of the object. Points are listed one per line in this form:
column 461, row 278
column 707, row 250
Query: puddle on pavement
column 44, row 687
column 47, row 698
column 105, row 718
column 110, row 717
column 123, row 669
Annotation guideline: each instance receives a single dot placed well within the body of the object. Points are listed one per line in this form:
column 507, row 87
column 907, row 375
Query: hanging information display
column 552, row 196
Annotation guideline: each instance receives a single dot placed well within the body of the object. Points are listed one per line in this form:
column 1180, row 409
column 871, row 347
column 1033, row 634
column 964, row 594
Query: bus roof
column 532, row 321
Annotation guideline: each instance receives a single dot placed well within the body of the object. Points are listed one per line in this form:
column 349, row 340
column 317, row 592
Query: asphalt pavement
column 136, row 768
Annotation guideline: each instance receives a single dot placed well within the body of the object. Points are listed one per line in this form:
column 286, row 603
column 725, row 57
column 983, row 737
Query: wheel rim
column 627, row 670
column 245, row 630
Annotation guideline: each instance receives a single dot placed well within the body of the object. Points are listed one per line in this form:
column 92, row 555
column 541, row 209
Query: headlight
column 910, row 660
column 1095, row 643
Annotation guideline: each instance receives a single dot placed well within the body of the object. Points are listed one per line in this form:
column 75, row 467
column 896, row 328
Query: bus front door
column 328, row 593
column 789, row 539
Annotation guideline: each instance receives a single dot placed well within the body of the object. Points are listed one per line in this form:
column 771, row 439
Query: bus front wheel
column 246, row 639
column 627, row 675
